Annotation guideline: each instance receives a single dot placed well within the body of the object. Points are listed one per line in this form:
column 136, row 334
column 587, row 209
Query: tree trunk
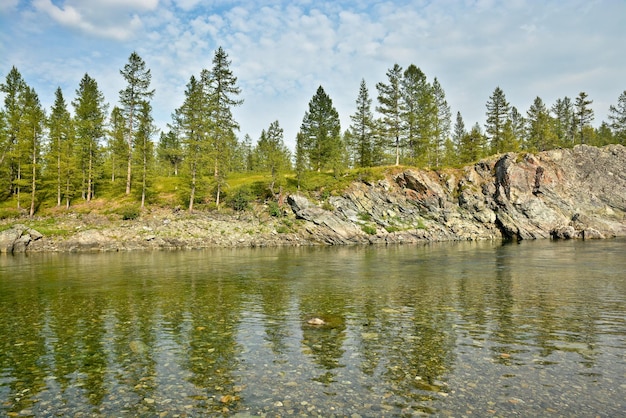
column 34, row 181
column 192, row 193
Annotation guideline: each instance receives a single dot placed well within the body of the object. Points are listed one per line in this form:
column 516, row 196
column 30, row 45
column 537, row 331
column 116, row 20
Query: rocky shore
column 577, row 193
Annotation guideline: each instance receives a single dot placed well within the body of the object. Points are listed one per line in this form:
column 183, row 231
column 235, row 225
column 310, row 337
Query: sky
column 282, row 50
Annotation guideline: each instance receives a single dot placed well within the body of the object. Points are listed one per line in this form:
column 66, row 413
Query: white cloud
column 282, row 50
column 114, row 19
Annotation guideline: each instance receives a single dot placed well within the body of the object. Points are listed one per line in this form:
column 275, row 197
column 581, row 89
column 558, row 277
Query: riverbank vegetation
column 88, row 156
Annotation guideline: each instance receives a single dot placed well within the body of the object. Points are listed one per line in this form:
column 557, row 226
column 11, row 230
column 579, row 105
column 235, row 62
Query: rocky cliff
column 564, row 193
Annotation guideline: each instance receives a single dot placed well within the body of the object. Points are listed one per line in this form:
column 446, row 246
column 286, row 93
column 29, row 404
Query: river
column 463, row 329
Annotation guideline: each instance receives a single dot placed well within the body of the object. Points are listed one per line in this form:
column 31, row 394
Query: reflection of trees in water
column 324, row 343
column 23, row 346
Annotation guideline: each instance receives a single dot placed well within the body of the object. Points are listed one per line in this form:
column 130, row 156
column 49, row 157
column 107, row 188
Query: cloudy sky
column 282, row 50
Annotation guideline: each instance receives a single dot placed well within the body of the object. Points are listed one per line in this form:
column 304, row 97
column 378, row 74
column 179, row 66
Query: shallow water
column 480, row 329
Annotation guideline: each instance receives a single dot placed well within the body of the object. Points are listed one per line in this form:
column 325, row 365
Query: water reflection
column 448, row 329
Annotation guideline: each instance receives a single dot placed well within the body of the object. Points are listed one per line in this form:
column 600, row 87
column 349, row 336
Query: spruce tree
column 442, row 120
column 361, row 132
column 497, row 113
column 418, row 113
column 617, row 119
column 90, row 114
column 320, row 133
column 132, row 98
column 273, row 155
column 220, row 87
column 12, row 88
column 563, row 112
column 170, row 151
column 60, row 148
column 191, row 121
column 583, row 114
column 540, row 135
column 117, row 143
column 390, row 107
column 29, row 145
column 144, row 148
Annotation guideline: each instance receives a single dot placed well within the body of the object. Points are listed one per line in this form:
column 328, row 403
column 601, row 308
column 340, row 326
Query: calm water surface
column 475, row 329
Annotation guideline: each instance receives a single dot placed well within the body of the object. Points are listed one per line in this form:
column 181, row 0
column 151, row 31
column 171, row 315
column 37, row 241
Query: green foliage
column 274, row 209
column 240, row 201
column 368, row 229
column 129, row 212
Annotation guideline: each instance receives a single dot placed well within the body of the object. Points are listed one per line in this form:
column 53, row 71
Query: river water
column 465, row 329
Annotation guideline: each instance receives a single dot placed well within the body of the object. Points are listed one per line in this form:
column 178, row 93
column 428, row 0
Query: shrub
column 129, row 212
column 368, row 229
column 240, row 201
column 274, row 209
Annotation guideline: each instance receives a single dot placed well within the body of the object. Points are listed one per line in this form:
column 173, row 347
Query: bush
column 240, row 200
column 274, row 209
column 130, row 212
column 368, row 229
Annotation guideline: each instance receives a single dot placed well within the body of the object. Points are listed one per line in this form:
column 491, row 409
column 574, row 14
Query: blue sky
column 282, row 50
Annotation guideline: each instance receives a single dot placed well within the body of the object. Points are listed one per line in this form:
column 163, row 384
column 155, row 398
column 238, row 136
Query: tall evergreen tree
column 320, row 133
column 191, row 122
column 117, row 143
column 473, row 145
column 497, row 113
column 583, row 114
column 170, row 150
column 89, row 115
column 389, row 106
column 540, row 135
column 220, row 86
column 563, row 112
column 29, row 144
column 443, row 120
column 132, row 99
column 361, row 132
column 12, row 88
column 617, row 119
column 418, row 113
column 60, row 148
column 273, row 155
column 144, row 148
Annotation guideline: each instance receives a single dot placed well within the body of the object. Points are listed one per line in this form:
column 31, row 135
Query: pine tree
column 617, row 119
column 389, row 100
column 583, row 114
column 320, row 133
column 497, row 113
column 90, row 113
column 220, row 86
column 60, row 148
column 361, row 132
column 132, row 98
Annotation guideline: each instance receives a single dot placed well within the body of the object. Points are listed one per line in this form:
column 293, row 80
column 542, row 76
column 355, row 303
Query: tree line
column 65, row 156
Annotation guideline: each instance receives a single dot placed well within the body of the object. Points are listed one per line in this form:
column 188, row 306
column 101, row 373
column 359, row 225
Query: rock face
column 564, row 193
column 577, row 193
column 17, row 239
